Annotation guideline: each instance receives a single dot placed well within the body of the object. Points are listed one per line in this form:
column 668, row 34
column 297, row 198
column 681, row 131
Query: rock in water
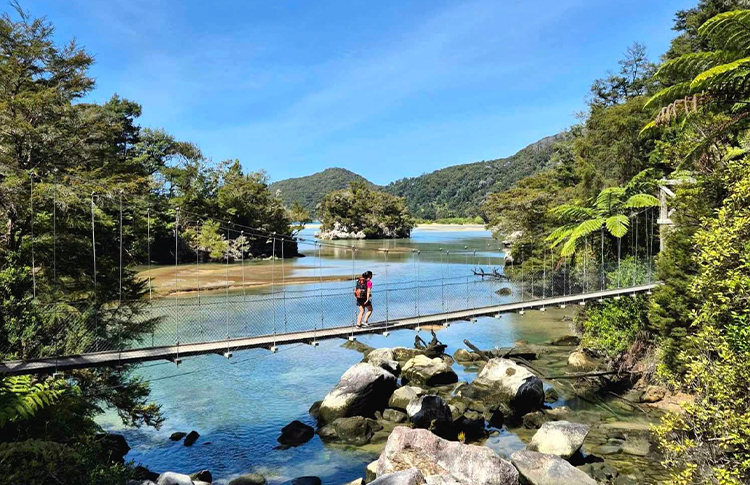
column 115, row 446
column 306, row 481
column 430, row 372
column 464, row 356
column 406, row 477
column 394, row 416
column 403, row 396
column 542, row 469
column 202, row 476
column 249, row 479
column 580, row 360
column 561, row 438
column 566, row 341
column 191, row 438
column 296, row 433
column 444, row 460
column 431, row 412
column 551, row 395
column 177, row 435
column 508, row 381
column 384, row 359
column 358, row 481
column 362, row 390
column 355, row 430
column 172, row 478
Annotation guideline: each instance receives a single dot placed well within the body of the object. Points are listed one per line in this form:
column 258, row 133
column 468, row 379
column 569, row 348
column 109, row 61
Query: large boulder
column 305, row 481
column 362, row 390
column 430, row 412
column 191, row 438
column 172, row 478
column 508, row 382
column 402, row 396
column 384, row 359
column 202, row 476
column 561, row 438
column 354, row 430
column 295, row 433
column 114, row 447
column 430, row 372
column 405, row 477
column 463, row 356
column 542, row 469
column 249, row 479
column 441, row 460
column 394, row 416
column 402, row 354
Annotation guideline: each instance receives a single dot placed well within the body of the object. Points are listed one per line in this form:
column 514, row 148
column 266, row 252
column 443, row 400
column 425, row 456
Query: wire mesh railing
column 219, row 316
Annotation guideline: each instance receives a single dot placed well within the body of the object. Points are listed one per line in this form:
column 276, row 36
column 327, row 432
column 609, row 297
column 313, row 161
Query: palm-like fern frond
column 571, row 211
column 728, row 31
column 670, row 94
column 617, row 225
column 690, row 65
column 21, row 398
column 639, row 201
column 560, row 234
column 609, row 199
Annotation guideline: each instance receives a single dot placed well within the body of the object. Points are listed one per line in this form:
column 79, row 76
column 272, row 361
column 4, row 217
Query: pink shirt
column 369, row 284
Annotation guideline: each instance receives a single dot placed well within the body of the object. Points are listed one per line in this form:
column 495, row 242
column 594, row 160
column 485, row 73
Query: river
column 239, row 405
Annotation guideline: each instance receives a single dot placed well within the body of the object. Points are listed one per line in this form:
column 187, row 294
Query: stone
column 384, row 359
column 580, row 360
column 543, row 469
column 202, row 476
column 314, row 410
column 191, row 438
column 362, row 390
column 296, row 433
column 115, row 446
column 249, row 479
column 431, row 412
column 551, row 395
column 653, row 394
column 177, row 435
column 430, row 372
column 394, row 416
column 403, row 396
column 472, row 425
column 463, row 355
column 139, row 482
column 566, row 341
column 636, row 445
column 358, row 481
column 534, row 420
column 306, row 481
column 627, row 480
column 431, row 455
column 371, row 471
column 357, row 346
column 558, row 413
column 405, row 477
column 402, row 354
column 354, row 430
column 504, row 291
column 506, row 381
column 601, row 472
column 561, row 438
column 172, row 478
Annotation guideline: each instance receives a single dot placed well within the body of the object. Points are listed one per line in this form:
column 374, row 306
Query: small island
column 362, row 212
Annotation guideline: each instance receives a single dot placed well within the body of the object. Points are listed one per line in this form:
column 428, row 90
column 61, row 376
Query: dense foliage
column 361, row 209
column 460, row 190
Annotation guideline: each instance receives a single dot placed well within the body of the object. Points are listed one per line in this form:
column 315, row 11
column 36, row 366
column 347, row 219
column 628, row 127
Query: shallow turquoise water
column 239, row 405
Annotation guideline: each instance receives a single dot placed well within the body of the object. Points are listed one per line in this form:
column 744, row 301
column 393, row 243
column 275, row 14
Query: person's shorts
column 362, row 301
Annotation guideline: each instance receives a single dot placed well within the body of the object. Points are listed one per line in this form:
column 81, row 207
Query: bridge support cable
column 95, row 296
column 283, row 286
column 226, row 292
column 148, row 256
column 273, row 287
column 54, row 269
column 176, row 292
column 33, row 238
column 387, row 288
column 119, row 292
column 198, row 288
column 355, row 311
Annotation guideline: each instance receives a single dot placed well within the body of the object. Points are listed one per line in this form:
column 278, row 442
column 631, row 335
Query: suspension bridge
column 414, row 287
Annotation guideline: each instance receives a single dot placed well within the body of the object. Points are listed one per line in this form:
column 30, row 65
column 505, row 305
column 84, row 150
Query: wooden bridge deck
column 174, row 352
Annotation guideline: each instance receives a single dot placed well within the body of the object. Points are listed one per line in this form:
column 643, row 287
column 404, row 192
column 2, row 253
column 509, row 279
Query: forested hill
column 456, row 191
column 459, row 191
column 310, row 190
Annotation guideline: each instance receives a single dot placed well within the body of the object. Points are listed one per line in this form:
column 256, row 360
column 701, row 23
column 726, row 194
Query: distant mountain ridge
column 310, row 189
column 455, row 191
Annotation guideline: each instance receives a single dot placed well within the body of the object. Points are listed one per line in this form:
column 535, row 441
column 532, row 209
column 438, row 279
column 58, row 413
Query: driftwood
column 492, row 274
column 434, row 349
column 504, row 353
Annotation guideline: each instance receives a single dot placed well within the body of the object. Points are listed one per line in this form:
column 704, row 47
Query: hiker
column 363, row 294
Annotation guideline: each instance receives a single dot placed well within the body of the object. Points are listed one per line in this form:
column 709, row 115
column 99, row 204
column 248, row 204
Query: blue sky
column 387, row 88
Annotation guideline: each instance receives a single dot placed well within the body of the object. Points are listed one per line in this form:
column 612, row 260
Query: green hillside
column 310, row 190
column 459, row 191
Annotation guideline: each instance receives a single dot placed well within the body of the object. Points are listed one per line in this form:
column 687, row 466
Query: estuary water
column 239, row 405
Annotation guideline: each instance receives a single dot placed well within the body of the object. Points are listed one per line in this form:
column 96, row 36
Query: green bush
column 613, row 325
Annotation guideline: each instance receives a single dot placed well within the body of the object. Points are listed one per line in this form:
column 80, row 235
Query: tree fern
column 21, row 398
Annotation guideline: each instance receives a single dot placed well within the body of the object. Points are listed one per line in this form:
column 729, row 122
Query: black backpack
column 360, row 291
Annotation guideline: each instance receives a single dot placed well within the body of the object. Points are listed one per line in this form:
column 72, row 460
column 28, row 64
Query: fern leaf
column 617, row 225
column 571, row 211
column 670, row 94
column 638, row 201
column 728, row 31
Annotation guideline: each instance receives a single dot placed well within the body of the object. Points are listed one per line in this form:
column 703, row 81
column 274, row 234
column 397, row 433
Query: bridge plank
column 172, row 352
